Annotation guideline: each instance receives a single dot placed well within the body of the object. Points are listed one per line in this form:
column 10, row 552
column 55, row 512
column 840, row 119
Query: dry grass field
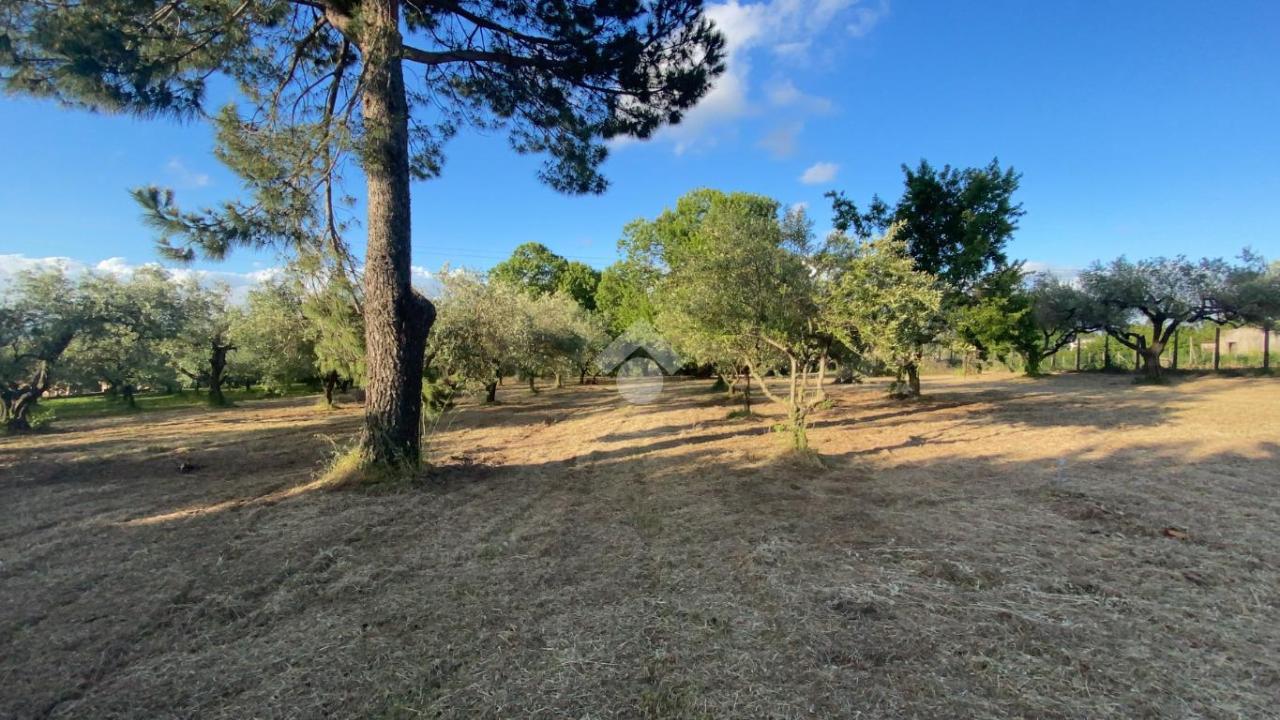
column 1073, row 547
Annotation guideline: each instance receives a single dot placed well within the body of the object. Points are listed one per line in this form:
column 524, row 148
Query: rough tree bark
column 491, row 392
column 397, row 319
column 217, row 369
column 21, row 400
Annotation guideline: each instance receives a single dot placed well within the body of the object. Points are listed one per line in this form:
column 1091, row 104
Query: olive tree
column 135, row 317
column 481, row 331
column 1057, row 314
column 883, row 304
column 1165, row 293
column 733, row 272
column 273, row 345
column 43, row 313
column 201, row 349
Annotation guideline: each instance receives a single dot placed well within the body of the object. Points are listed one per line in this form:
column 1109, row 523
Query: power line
column 464, row 252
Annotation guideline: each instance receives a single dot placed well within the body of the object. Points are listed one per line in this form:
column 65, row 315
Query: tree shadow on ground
column 756, row 580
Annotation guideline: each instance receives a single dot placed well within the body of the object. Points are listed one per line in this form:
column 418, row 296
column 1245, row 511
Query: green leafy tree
column 480, row 333
column 531, row 267
column 733, row 277
column 1164, row 293
column 136, row 316
column 882, row 303
column 44, row 312
column 1057, row 314
column 332, row 306
column 534, row 268
column 202, row 347
column 271, row 337
column 580, row 282
column 954, row 224
column 566, row 338
column 325, row 85
column 624, row 296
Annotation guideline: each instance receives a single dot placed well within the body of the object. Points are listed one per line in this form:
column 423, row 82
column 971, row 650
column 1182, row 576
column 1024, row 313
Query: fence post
column 1217, row 346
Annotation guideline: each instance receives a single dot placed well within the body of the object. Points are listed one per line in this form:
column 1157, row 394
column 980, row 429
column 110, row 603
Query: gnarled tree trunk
column 217, row 370
column 20, row 400
column 1151, row 361
column 397, row 319
column 913, row 379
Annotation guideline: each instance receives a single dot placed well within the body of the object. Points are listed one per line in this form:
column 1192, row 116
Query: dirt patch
column 1000, row 548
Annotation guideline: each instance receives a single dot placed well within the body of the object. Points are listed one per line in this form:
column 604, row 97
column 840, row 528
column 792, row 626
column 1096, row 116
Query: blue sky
column 1141, row 128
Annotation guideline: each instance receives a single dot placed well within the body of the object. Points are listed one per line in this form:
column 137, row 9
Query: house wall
column 1243, row 341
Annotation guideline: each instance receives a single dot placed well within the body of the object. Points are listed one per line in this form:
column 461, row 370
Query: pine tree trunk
column 397, row 320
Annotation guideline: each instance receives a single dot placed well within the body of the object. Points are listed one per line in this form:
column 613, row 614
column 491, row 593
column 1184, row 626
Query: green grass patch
column 94, row 406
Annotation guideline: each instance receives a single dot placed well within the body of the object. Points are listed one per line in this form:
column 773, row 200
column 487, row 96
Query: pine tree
column 378, row 84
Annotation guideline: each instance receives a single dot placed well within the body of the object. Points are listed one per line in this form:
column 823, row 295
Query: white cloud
column 426, row 281
column 238, row 282
column 784, row 93
column 801, row 206
column 787, row 28
column 818, row 173
column 185, row 177
column 781, row 142
column 11, row 265
column 114, row 266
column 866, row 18
column 1066, row 273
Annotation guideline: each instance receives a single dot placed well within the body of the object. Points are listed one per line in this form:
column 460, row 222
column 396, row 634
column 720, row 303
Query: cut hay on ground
column 1063, row 548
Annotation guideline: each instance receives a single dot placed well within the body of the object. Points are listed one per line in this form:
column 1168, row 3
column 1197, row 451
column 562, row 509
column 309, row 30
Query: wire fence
column 1198, row 350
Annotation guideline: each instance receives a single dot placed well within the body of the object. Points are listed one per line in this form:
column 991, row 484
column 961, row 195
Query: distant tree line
column 736, row 282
